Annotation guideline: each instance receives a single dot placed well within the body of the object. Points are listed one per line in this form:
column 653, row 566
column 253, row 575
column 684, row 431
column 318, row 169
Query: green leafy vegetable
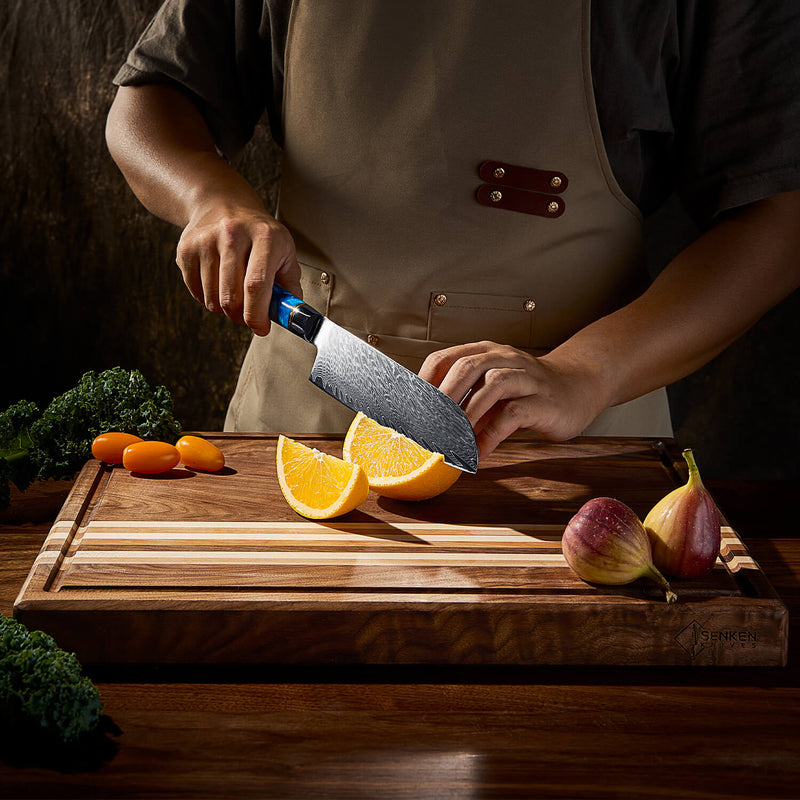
column 43, row 686
column 56, row 443
column 15, row 441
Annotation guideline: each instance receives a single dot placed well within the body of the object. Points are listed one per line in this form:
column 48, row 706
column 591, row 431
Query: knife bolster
column 292, row 313
column 304, row 321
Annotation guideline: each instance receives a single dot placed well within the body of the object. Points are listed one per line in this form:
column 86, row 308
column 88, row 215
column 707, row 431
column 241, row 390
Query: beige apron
column 389, row 110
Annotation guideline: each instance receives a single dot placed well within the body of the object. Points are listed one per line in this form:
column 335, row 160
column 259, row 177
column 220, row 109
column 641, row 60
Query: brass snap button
column 555, row 181
column 529, row 305
column 324, row 278
column 440, row 299
column 498, row 172
column 372, row 339
column 553, row 207
column 495, row 196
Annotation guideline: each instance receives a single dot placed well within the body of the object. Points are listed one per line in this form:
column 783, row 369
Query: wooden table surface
column 435, row 732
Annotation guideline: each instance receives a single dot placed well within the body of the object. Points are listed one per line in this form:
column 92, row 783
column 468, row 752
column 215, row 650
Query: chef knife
column 364, row 379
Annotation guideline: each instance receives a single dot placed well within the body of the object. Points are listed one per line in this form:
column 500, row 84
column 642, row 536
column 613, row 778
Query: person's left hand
column 503, row 390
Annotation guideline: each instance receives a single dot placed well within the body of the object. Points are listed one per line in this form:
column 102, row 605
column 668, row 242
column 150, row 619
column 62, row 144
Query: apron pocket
column 461, row 317
column 317, row 285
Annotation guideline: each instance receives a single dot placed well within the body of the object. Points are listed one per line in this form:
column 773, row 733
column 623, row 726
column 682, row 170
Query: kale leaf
column 57, row 442
column 43, row 686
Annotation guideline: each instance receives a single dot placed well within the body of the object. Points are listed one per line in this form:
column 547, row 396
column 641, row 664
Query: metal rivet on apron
column 529, row 305
column 372, row 339
column 555, row 181
column 495, row 196
column 553, row 207
column 324, row 277
column 498, row 172
column 440, row 299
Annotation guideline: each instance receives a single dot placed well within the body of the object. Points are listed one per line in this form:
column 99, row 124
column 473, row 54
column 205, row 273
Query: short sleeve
column 737, row 104
column 224, row 54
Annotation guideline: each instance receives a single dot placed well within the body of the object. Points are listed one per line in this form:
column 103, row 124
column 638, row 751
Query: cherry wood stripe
column 386, row 577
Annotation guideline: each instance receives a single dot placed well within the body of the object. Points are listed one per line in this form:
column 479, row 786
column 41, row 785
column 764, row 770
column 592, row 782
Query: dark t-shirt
column 700, row 97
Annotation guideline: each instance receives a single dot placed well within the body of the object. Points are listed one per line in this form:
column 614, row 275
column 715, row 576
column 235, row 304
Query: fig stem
column 656, row 576
column 694, row 472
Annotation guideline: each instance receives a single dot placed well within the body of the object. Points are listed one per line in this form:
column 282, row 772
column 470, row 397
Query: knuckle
column 229, row 232
column 435, row 360
column 496, row 378
column 184, row 253
column 466, row 366
column 230, row 302
column 255, row 281
column 514, row 412
column 265, row 233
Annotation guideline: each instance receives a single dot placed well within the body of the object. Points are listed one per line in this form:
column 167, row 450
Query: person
column 463, row 185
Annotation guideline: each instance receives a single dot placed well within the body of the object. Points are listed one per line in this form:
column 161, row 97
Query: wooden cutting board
column 191, row 567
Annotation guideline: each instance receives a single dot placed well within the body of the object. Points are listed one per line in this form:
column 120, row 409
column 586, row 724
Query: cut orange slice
column 396, row 466
column 317, row 485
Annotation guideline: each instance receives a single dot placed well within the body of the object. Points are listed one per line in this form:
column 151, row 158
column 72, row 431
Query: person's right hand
column 230, row 258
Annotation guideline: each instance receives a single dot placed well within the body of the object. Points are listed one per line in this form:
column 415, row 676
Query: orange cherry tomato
column 150, row 458
column 199, row 453
column 109, row 446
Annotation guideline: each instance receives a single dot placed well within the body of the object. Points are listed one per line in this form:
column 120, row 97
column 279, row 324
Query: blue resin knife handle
column 292, row 313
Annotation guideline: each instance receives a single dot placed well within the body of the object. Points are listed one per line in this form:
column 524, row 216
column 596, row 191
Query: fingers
column 463, row 369
column 504, row 390
column 271, row 260
column 188, row 261
column 496, row 385
column 500, row 422
column 229, row 264
column 489, row 381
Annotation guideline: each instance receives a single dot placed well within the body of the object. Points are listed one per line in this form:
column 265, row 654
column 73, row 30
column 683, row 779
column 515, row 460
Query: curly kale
column 15, row 441
column 113, row 400
column 56, row 443
column 43, row 686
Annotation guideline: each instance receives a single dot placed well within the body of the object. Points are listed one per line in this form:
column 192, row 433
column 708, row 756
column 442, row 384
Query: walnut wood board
column 191, row 567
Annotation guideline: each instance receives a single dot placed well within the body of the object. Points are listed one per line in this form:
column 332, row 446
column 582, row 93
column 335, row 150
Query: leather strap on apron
column 390, row 111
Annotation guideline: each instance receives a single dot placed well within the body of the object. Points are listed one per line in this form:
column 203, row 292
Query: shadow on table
column 28, row 748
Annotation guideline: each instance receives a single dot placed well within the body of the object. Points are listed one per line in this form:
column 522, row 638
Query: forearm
column 231, row 249
column 163, row 147
column 707, row 297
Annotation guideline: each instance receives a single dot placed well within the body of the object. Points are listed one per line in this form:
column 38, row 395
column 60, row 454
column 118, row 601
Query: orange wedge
column 317, row 485
column 396, row 466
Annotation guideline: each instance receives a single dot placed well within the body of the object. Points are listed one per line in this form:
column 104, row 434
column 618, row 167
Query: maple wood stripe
column 172, row 541
column 298, row 527
column 324, row 557
column 58, row 535
column 64, row 528
column 733, row 552
column 310, row 551
column 111, row 541
column 66, row 525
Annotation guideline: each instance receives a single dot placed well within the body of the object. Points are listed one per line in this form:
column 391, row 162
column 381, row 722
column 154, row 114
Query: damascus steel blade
column 366, row 380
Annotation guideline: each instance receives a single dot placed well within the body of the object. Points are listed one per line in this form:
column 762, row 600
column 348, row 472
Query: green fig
column 605, row 542
column 684, row 528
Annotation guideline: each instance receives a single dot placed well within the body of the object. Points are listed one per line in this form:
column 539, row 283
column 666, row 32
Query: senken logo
column 695, row 637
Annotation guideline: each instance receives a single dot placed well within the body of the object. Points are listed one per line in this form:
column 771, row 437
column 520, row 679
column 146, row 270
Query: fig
column 606, row 543
column 684, row 528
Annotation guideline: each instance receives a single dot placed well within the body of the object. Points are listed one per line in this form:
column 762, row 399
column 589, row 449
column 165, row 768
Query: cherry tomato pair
column 151, row 458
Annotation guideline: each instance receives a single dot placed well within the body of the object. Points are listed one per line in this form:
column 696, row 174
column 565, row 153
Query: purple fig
column 605, row 542
column 684, row 528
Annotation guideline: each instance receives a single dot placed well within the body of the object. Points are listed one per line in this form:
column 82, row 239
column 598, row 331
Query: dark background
column 89, row 281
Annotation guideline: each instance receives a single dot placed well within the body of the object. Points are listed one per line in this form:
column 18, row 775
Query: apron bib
column 390, row 108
